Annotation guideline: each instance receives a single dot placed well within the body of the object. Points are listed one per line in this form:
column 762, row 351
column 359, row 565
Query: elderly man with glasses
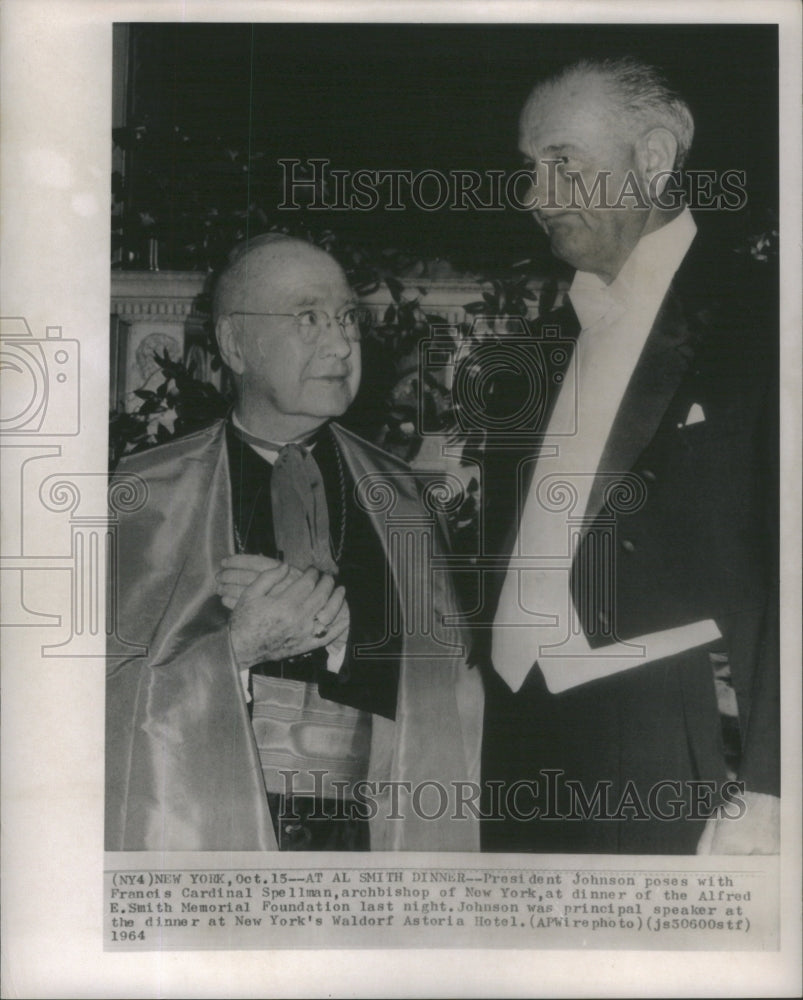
column 301, row 687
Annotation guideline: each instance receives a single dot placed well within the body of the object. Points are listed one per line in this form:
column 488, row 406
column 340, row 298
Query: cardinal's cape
column 182, row 769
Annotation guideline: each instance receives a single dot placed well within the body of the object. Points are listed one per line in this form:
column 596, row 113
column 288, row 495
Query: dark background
column 207, row 100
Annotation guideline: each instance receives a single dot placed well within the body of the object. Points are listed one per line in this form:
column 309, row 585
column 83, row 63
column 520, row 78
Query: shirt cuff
column 335, row 658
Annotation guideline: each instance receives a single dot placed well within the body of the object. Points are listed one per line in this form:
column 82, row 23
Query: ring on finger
column 319, row 629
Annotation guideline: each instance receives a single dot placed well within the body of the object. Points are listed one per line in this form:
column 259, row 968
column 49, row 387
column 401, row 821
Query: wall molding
column 156, row 294
column 172, row 295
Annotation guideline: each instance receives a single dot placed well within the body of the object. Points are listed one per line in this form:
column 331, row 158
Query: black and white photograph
column 602, row 524
column 401, row 483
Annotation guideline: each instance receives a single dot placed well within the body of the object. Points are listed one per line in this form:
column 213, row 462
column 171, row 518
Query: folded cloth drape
column 300, row 514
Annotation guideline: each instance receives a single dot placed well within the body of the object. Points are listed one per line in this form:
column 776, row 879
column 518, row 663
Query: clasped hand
column 278, row 611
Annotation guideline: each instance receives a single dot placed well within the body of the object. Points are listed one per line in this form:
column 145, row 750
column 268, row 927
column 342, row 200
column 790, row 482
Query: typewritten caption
column 282, row 905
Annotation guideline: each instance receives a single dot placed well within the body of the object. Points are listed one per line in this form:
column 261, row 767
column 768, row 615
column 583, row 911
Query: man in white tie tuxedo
column 633, row 690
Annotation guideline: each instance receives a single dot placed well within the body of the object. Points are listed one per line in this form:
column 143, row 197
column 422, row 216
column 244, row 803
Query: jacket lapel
column 663, row 363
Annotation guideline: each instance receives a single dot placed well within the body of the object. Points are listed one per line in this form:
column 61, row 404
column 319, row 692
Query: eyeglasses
column 312, row 322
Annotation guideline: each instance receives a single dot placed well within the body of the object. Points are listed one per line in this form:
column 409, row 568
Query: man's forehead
column 293, row 276
column 572, row 111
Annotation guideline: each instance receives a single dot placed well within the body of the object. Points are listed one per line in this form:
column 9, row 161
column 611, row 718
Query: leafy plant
column 180, row 405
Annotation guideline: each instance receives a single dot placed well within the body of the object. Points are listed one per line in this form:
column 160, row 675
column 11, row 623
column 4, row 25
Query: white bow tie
column 593, row 300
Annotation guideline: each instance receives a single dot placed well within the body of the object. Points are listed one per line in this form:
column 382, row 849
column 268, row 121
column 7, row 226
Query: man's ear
column 656, row 151
column 229, row 342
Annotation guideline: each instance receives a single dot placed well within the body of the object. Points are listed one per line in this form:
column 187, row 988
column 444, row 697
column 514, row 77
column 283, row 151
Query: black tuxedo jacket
column 695, row 537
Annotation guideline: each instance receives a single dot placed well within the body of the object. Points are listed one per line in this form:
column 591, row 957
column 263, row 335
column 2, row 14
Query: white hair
column 639, row 91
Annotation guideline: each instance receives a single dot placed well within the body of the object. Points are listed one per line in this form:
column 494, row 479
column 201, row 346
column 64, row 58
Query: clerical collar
column 270, row 449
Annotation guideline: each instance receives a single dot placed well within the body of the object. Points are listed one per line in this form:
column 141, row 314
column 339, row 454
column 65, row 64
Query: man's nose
column 555, row 190
column 333, row 340
column 527, row 194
